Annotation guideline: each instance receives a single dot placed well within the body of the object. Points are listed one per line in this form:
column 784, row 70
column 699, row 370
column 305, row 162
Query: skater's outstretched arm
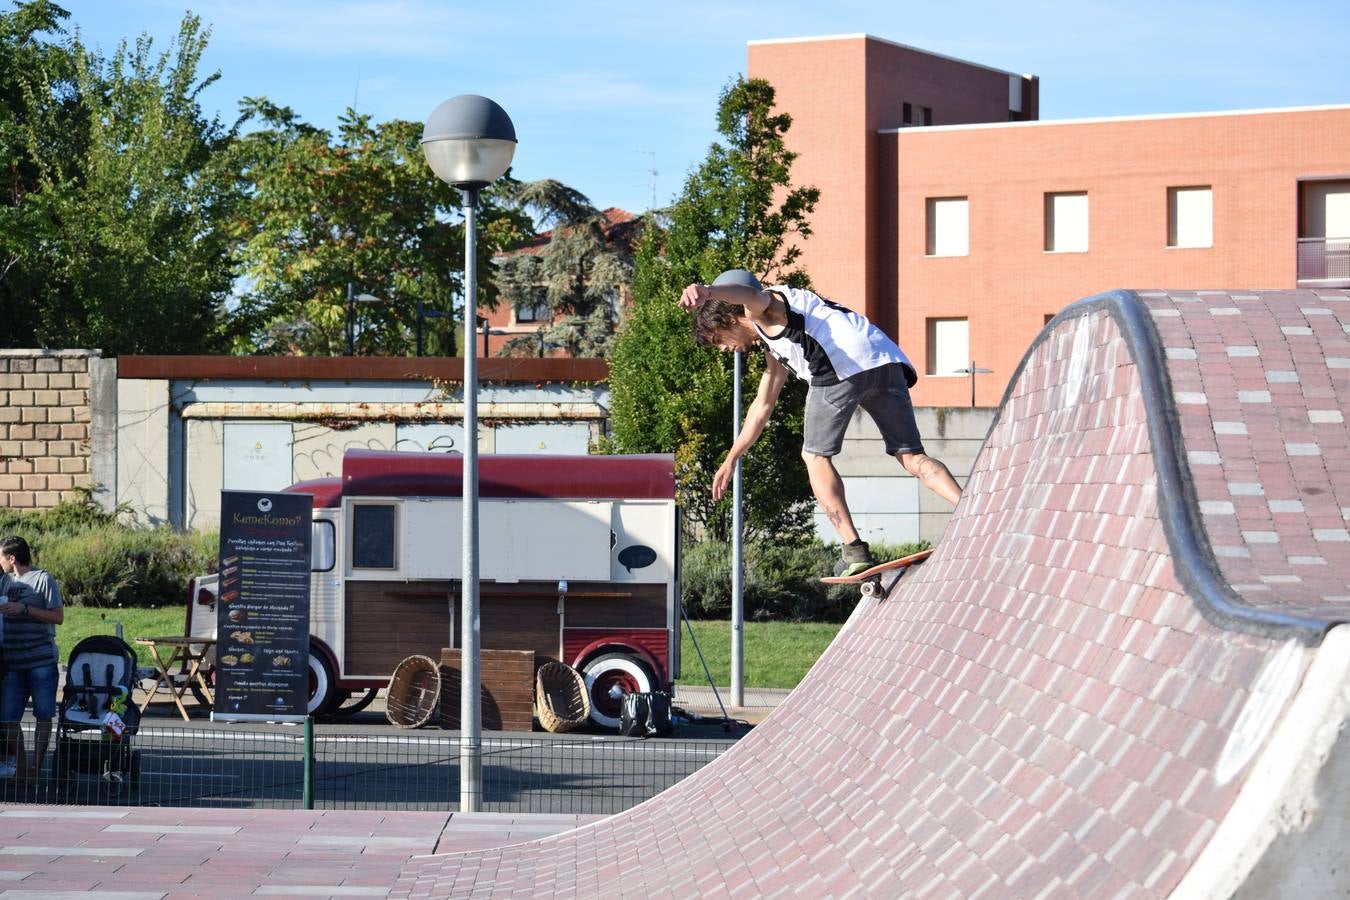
column 756, row 417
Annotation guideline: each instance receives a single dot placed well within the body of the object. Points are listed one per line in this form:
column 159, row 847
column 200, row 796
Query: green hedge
column 101, row 559
column 782, row 580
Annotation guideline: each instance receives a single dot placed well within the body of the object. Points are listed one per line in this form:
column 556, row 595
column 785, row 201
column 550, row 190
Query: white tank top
column 825, row 343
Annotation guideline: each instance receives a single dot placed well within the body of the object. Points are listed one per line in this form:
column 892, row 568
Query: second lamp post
column 468, row 142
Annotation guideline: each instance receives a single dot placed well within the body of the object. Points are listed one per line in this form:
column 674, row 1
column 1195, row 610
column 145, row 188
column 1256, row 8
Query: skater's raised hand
column 693, row 297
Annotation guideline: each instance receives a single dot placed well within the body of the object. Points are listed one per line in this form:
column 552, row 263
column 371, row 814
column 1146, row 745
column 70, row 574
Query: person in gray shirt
column 32, row 609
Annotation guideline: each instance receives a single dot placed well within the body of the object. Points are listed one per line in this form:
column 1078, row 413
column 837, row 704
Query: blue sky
column 603, row 94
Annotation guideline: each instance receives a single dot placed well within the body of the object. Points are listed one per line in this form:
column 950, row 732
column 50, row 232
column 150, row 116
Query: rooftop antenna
column 652, row 173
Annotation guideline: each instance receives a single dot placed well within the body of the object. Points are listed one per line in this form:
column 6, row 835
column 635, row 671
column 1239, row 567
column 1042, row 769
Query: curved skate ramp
column 1119, row 675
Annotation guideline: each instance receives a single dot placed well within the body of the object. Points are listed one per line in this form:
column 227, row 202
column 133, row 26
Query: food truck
column 578, row 562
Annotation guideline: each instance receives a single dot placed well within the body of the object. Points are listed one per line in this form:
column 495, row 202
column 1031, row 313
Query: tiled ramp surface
column 1118, row 675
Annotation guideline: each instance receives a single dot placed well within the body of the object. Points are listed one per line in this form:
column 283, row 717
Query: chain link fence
column 213, row 765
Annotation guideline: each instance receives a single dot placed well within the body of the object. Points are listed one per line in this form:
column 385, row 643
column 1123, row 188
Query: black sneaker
column 854, row 558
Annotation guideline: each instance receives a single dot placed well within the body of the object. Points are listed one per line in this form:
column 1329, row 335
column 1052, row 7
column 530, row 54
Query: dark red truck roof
column 386, row 473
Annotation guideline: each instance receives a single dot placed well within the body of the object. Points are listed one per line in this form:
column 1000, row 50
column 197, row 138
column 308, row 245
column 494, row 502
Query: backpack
column 645, row 715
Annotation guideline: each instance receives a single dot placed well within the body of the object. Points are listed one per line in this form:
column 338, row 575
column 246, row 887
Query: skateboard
column 870, row 579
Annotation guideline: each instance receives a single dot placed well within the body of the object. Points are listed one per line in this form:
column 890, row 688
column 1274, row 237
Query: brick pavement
column 1071, row 697
column 163, row 854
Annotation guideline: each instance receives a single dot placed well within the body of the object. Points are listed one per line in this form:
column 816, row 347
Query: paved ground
column 160, row 854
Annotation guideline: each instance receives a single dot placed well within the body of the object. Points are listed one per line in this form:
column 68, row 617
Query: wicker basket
column 414, row 692
column 561, row 701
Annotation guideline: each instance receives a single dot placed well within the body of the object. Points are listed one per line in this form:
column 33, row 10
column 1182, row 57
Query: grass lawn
column 82, row 621
column 777, row 654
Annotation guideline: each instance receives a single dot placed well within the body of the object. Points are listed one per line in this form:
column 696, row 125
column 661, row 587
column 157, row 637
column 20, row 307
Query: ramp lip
column 1194, row 561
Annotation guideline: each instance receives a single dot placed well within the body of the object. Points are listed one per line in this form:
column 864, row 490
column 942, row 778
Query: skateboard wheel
column 871, row 589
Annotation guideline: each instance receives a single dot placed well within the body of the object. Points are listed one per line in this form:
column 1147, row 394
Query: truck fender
column 608, row 645
column 327, row 651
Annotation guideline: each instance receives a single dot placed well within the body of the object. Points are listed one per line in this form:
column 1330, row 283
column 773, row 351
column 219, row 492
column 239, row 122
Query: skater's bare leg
column 829, row 490
column 931, row 473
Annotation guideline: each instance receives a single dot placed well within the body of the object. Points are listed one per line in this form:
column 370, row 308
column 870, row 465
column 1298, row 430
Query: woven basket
column 414, row 692
column 561, row 701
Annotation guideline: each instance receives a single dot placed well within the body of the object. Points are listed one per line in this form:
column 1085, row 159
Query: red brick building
column 959, row 224
column 506, row 323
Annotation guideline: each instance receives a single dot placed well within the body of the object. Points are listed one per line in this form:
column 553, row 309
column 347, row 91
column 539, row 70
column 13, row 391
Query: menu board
column 262, row 607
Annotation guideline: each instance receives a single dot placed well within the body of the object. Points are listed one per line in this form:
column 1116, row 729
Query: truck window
column 373, row 536
column 322, row 547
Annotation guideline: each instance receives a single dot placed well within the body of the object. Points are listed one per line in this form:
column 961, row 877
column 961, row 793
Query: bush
column 782, row 580
column 99, row 561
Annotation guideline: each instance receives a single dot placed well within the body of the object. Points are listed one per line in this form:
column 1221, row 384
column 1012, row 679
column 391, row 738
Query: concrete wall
column 44, row 426
column 189, row 427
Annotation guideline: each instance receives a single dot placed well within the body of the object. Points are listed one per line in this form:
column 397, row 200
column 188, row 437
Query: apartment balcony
column 1324, row 262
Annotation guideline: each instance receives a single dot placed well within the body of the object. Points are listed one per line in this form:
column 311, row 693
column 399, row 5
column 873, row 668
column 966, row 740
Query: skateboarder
column 848, row 362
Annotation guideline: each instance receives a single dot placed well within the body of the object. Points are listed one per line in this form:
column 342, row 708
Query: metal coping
column 1193, row 557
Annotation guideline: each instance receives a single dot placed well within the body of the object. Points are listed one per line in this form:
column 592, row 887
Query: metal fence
column 246, row 766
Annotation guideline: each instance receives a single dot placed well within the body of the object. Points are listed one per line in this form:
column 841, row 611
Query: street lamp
column 496, row 332
column 424, row 313
column 468, row 142
column 352, row 300
column 745, row 279
column 972, row 372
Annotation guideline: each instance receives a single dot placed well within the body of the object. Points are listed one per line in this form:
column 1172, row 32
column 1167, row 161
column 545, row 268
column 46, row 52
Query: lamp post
column 972, row 372
column 352, row 300
column 744, row 279
column 498, row 332
column 468, row 142
column 424, row 313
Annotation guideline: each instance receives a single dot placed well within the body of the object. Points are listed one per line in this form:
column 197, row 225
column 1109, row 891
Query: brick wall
column 44, row 425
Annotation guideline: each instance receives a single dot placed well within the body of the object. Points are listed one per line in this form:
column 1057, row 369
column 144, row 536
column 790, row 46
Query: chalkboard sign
column 262, row 608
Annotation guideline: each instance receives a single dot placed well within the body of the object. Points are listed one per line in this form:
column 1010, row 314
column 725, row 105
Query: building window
column 907, row 114
column 948, row 226
column 1066, row 222
column 1190, row 217
column 948, row 346
column 536, row 312
column 925, row 115
column 373, row 536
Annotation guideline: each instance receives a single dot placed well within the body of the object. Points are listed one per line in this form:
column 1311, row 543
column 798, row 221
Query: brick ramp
column 1118, row 675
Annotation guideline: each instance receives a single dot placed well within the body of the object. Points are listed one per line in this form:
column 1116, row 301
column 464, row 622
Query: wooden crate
column 506, row 679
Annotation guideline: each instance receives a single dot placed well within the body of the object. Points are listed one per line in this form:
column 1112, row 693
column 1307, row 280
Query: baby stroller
column 97, row 721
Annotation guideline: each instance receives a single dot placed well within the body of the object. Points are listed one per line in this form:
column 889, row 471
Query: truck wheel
column 323, row 692
column 349, row 707
column 608, row 679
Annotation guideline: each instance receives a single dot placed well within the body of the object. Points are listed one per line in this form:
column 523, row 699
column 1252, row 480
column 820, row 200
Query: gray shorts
column 883, row 392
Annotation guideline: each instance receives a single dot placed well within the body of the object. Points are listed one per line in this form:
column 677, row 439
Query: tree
column 113, row 233
column 28, row 54
column 577, row 274
column 361, row 207
column 737, row 210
